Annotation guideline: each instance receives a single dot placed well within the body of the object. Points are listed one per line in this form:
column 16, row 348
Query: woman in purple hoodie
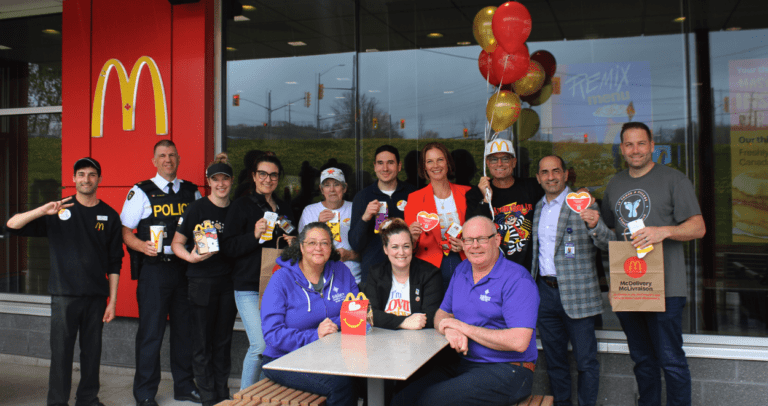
column 302, row 304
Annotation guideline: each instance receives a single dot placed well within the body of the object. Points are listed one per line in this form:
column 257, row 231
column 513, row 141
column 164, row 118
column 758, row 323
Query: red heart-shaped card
column 578, row 201
column 427, row 221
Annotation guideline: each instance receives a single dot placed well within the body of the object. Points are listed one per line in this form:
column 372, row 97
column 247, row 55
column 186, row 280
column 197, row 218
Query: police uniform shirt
column 137, row 206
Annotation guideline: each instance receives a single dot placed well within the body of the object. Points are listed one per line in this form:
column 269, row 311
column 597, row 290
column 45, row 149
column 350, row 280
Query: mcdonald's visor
column 497, row 146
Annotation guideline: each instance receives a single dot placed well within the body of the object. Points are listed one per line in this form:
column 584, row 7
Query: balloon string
column 488, row 130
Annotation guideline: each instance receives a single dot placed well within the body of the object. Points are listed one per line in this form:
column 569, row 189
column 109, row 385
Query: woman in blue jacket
column 302, row 304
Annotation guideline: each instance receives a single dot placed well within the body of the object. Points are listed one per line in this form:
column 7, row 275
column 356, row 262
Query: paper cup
column 156, row 236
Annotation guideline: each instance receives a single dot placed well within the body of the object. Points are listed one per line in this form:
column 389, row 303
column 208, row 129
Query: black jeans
column 212, row 303
column 70, row 315
column 162, row 294
column 469, row 383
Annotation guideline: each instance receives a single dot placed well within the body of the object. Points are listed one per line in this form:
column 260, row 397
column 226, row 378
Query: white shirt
column 137, row 206
column 310, row 215
column 447, row 213
column 399, row 302
column 547, row 232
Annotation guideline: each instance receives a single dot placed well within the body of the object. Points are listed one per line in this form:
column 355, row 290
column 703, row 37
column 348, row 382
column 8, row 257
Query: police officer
column 162, row 286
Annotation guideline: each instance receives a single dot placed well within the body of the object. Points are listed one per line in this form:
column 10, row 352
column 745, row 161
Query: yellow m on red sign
column 128, row 87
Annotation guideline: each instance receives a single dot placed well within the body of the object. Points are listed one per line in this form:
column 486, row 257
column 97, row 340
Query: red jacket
column 428, row 246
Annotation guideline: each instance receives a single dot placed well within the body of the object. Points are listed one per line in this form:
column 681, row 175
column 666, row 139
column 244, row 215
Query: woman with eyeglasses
column 431, row 211
column 302, row 304
column 404, row 292
column 336, row 212
column 245, row 226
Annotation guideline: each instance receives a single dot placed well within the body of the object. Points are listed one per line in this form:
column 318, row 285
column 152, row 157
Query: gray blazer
column 576, row 277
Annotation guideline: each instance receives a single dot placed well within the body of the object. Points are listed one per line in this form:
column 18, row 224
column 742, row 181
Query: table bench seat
column 537, row 400
column 268, row 393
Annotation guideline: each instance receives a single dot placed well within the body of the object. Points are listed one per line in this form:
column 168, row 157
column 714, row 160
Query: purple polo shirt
column 505, row 298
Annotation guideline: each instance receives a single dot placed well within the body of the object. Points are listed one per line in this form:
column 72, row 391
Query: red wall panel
column 179, row 39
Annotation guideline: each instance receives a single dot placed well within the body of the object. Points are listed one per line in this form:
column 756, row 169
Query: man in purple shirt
column 488, row 316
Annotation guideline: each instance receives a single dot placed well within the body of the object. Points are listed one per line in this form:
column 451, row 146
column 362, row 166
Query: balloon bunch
column 505, row 63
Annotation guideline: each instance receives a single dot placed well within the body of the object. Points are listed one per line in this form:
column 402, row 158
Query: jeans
column 70, row 315
column 655, row 340
column 469, row 383
column 340, row 390
column 555, row 330
column 448, row 266
column 248, row 305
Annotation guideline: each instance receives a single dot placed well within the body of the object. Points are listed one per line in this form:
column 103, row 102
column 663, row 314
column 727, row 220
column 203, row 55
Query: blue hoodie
column 291, row 310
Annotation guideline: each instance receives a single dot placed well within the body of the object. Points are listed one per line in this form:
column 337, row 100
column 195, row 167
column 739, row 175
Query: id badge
column 570, row 250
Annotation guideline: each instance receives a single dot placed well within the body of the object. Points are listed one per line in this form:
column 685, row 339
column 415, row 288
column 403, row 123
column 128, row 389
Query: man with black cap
column 162, row 288
column 512, row 201
column 85, row 244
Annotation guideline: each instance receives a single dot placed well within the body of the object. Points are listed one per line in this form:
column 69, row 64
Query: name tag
column 570, row 250
column 101, row 218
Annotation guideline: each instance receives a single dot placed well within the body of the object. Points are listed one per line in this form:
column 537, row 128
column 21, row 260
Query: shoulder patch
column 130, row 194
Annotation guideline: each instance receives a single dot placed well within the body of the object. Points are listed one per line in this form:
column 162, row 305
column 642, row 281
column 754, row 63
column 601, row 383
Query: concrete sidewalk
column 24, row 382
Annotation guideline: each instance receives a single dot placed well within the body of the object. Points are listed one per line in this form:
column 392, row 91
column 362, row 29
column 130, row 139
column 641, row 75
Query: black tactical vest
column 166, row 209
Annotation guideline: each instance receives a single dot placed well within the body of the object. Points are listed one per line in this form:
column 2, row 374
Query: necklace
column 442, row 201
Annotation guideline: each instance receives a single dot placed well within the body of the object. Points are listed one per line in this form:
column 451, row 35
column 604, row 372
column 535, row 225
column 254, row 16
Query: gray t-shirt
column 662, row 197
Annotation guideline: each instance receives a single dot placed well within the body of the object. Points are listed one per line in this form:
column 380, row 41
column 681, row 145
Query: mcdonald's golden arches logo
column 128, row 88
column 635, row 267
column 99, row 226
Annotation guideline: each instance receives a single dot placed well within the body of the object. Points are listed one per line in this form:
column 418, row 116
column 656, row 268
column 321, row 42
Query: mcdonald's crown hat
column 499, row 146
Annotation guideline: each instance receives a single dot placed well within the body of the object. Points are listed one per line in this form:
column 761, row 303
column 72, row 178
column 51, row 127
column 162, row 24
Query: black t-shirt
column 513, row 209
column 86, row 244
column 203, row 212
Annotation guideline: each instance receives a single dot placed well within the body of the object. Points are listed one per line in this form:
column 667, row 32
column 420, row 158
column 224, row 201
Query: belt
column 528, row 365
column 551, row 281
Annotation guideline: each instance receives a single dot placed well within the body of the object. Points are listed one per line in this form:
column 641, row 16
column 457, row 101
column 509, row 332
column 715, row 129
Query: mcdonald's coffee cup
column 156, row 236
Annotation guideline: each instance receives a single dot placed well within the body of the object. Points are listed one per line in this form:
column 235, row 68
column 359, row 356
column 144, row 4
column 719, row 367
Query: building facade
column 318, row 81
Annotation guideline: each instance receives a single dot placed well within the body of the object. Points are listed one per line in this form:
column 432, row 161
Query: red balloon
column 511, row 25
column 547, row 61
column 509, row 67
column 484, row 62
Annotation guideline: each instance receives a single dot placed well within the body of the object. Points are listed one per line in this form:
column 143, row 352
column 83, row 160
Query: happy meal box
column 354, row 313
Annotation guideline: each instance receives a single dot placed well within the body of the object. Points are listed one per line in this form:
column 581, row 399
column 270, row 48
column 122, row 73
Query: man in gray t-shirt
column 664, row 198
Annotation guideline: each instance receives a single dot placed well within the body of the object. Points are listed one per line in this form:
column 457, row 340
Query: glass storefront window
column 736, row 294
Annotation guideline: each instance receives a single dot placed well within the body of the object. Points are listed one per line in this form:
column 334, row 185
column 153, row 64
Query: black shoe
column 191, row 396
column 147, row 402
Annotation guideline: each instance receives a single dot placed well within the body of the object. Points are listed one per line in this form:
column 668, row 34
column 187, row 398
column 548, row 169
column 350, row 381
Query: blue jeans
column 555, row 330
column 340, row 390
column 448, row 266
column 469, row 383
column 655, row 340
column 248, row 305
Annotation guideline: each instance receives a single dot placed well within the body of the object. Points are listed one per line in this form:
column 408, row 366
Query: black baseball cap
column 218, row 168
column 88, row 162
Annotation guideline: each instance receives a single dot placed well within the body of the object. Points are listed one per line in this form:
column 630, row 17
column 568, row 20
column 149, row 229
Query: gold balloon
column 502, row 110
column 481, row 27
column 532, row 81
column 527, row 125
column 541, row 96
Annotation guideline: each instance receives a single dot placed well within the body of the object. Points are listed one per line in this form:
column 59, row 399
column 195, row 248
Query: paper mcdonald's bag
column 354, row 312
column 637, row 284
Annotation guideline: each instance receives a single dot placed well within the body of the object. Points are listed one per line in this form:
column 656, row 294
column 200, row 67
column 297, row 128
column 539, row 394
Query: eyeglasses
column 263, row 175
column 480, row 240
column 331, row 185
column 504, row 160
column 312, row 244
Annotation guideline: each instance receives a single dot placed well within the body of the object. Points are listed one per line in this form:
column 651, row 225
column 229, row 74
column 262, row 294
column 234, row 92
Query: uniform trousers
column 162, row 294
column 70, row 315
column 212, row 302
